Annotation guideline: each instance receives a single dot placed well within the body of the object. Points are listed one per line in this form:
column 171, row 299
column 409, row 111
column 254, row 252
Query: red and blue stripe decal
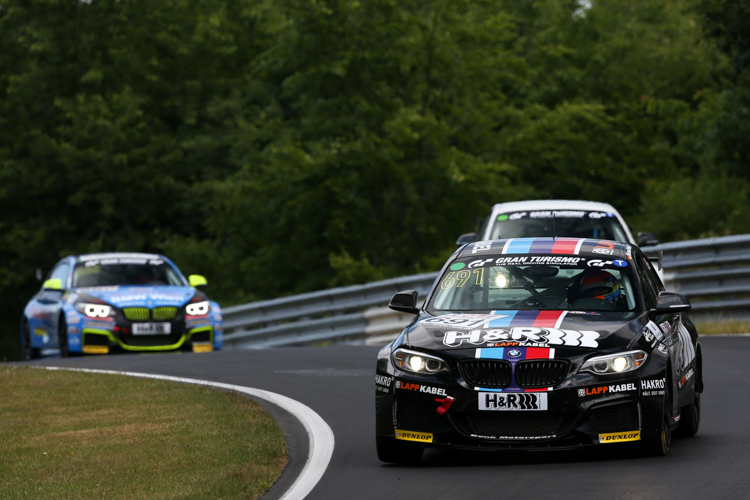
column 543, row 246
column 562, row 246
column 515, row 353
column 541, row 319
column 557, row 246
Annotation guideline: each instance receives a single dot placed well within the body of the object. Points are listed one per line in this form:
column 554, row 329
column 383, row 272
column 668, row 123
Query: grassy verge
column 722, row 326
column 80, row 435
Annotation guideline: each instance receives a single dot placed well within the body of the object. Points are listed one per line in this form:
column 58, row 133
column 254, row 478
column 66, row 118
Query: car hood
column 141, row 296
column 558, row 329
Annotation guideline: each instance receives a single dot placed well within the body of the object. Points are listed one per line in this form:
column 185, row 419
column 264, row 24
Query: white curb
column 320, row 434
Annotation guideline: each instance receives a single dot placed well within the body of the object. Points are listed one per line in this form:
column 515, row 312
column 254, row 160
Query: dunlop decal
column 620, row 437
column 420, row 437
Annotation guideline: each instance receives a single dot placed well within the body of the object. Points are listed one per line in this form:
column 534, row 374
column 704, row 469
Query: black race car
column 539, row 343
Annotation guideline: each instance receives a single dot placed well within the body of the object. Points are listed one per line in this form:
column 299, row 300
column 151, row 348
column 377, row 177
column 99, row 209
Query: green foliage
column 285, row 146
column 728, row 22
column 711, row 205
column 393, row 119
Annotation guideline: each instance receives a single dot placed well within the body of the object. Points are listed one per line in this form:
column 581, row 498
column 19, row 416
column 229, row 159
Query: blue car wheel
column 29, row 352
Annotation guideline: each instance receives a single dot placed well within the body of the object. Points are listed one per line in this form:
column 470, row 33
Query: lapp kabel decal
column 447, row 402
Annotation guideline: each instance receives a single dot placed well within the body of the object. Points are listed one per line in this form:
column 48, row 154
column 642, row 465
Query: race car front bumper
column 100, row 341
column 450, row 414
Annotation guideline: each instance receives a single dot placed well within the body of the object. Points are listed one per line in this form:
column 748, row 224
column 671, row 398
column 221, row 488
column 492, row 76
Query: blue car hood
column 141, row 296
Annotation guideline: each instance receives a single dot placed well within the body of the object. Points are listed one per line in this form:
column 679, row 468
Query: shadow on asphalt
column 464, row 458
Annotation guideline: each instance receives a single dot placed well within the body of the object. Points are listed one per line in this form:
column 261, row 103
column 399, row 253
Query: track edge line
column 320, row 435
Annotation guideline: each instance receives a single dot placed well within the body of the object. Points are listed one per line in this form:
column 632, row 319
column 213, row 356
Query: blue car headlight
column 95, row 310
column 198, row 308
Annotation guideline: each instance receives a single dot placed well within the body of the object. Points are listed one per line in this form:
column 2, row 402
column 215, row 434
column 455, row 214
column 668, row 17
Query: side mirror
column 467, row 238
column 52, row 284
column 39, row 274
column 405, row 302
column 670, row 302
column 658, row 258
column 197, row 280
column 647, row 240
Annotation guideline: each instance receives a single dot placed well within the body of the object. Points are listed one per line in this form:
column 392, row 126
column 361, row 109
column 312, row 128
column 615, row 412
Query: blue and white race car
column 100, row 303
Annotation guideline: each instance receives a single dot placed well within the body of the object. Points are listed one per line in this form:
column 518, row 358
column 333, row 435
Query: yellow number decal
column 480, row 275
column 448, row 282
column 463, row 277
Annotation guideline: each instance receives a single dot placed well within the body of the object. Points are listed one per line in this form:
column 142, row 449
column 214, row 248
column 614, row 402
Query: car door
column 684, row 346
column 682, row 349
column 667, row 323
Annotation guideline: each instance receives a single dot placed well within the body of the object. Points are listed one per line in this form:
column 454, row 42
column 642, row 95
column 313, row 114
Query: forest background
column 285, row 146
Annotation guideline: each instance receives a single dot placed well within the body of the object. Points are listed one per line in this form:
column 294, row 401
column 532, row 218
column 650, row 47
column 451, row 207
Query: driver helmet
column 600, row 285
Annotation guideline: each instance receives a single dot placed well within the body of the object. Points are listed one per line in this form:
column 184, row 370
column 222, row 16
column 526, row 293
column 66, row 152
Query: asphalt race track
column 338, row 383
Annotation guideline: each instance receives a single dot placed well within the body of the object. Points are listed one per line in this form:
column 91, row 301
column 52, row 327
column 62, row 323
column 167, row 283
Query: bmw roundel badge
column 514, row 353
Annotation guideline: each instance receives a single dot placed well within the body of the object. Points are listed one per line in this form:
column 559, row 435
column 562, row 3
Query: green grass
column 80, row 435
column 722, row 326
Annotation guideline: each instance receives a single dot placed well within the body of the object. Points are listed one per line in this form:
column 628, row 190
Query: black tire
column 29, row 352
column 691, row 414
column 398, row 452
column 660, row 445
column 62, row 334
column 691, row 417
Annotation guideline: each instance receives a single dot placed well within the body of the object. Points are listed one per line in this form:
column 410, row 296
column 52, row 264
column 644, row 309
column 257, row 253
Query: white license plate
column 152, row 328
column 518, row 401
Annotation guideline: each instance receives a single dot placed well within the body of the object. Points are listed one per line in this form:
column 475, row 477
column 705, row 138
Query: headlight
column 95, row 310
column 418, row 362
column 198, row 308
column 615, row 363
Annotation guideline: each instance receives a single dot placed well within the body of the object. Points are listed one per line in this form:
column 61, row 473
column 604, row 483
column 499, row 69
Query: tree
column 100, row 105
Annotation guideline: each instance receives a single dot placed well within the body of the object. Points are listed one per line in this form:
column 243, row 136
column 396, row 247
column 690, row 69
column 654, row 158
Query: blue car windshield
column 560, row 223
column 114, row 272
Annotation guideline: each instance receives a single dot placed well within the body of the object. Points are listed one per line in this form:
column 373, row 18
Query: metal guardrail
column 714, row 273
column 344, row 313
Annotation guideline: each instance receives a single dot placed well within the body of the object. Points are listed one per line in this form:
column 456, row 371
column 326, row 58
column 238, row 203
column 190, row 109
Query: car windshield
column 533, row 282
column 561, row 223
column 124, row 271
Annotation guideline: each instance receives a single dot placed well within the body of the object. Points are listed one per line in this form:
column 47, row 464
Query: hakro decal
column 654, row 387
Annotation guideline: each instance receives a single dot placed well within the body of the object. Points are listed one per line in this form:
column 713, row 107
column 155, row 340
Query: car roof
column 513, row 206
column 117, row 255
column 607, row 249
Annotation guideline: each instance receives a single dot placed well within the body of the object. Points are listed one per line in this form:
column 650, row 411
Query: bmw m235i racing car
column 539, row 343
column 99, row 303
column 540, row 218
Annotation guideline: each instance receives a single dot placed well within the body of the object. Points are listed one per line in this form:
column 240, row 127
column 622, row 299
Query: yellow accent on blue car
column 110, row 337
column 53, row 284
column 197, row 280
